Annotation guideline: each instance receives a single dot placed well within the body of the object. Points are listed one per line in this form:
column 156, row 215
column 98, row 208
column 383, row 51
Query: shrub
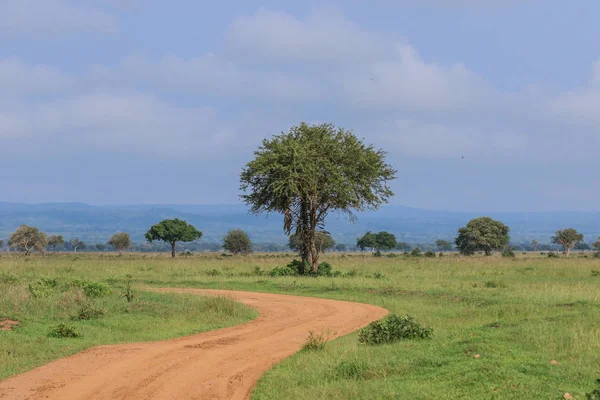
column 5, row 277
column 595, row 272
column 391, row 329
column 416, row 252
column 91, row 288
column 299, row 267
column 282, row 271
column 553, row 255
column 325, row 269
column 492, row 284
column 508, row 253
column 128, row 293
column 213, row 272
column 63, row 331
column 87, row 312
column 42, row 287
column 377, row 254
column 429, row 254
column 391, row 255
column 314, row 341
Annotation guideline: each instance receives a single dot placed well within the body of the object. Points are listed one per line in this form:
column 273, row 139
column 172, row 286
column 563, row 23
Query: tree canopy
column 237, row 242
column 77, row 244
column 27, row 239
column 567, row 238
column 377, row 241
column 173, row 231
column 55, row 240
column 443, row 245
column 120, row 241
column 482, row 234
column 311, row 171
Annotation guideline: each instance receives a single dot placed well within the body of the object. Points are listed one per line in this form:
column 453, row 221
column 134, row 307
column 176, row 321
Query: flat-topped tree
column 173, row 231
column 55, row 240
column 567, row 238
column 311, row 171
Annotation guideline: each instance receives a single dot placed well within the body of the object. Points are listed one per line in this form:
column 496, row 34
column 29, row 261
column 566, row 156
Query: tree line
column 305, row 175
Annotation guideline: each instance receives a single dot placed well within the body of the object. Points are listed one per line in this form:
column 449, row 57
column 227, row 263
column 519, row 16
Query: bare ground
column 221, row 364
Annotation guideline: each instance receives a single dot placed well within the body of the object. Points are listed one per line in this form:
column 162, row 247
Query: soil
column 8, row 324
column 220, row 364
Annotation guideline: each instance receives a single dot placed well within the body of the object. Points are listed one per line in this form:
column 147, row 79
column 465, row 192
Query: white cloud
column 325, row 35
column 581, row 106
column 18, row 17
column 129, row 122
column 17, row 77
column 425, row 139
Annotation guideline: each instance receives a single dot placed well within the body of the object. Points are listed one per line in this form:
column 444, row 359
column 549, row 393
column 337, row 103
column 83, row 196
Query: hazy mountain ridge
column 96, row 223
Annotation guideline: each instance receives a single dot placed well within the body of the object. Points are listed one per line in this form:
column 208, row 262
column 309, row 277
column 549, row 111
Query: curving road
column 220, row 364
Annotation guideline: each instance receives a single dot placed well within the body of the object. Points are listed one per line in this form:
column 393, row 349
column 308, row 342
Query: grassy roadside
column 517, row 314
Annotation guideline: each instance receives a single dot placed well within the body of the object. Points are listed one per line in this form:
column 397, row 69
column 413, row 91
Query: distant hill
column 95, row 224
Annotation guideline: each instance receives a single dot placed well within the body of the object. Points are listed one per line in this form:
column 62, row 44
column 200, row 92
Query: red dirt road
column 221, row 364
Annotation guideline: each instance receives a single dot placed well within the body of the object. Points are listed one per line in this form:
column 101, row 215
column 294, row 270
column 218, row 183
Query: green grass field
column 517, row 314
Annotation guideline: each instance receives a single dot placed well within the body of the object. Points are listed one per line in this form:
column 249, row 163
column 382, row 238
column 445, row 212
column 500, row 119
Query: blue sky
column 146, row 101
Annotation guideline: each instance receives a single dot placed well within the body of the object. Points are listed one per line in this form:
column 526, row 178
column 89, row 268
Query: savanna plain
column 503, row 328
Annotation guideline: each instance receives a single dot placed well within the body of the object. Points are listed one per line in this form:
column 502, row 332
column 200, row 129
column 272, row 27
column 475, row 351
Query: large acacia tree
column 173, row 231
column 310, row 172
column 482, row 234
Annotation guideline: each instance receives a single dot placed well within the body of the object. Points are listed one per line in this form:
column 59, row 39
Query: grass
column 516, row 314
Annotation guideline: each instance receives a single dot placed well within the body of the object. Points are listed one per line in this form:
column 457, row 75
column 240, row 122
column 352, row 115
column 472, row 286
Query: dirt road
column 221, row 364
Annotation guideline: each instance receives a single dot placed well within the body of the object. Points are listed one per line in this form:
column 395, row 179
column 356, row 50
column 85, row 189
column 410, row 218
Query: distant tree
column 385, row 241
column 120, row 241
column 567, row 238
column 340, row 247
column 402, row 246
column 534, row 245
column 55, row 240
column 482, row 234
column 172, row 231
column 323, row 242
column 77, row 244
column 1, row 243
column 596, row 244
column 310, row 172
column 376, row 241
column 27, row 239
column 237, row 242
column 443, row 245
column 367, row 241
column 101, row 246
column 582, row 246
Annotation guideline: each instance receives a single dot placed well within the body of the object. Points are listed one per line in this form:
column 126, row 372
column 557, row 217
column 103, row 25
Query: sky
column 481, row 105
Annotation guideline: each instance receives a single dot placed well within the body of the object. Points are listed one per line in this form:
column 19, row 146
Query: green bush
column 87, row 312
column 63, row 331
column 43, row 287
column 553, row 255
column 282, row 271
column 91, row 288
column 325, row 269
column 429, row 254
column 392, row 329
column 416, row 252
column 377, row 254
column 299, row 267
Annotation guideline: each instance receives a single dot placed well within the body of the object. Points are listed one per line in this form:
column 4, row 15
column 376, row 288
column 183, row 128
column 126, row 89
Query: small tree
column 567, row 238
column 443, row 245
column 27, row 239
column 534, row 245
column 55, row 240
column 120, row 241
column 340, row 247
column 172, row 231
column 237, row 242
column 482, row 234
column 77, row 244
column 385, row 241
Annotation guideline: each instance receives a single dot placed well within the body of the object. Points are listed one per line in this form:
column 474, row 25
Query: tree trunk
column 172, row 249
column 567, row 251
